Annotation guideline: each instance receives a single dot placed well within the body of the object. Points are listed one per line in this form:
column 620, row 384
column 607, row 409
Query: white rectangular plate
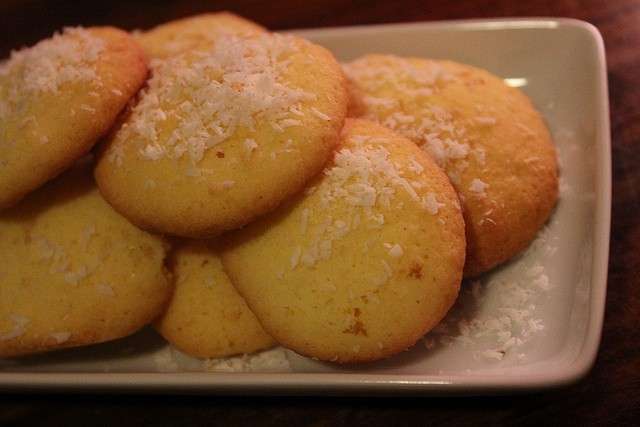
column 551, row 298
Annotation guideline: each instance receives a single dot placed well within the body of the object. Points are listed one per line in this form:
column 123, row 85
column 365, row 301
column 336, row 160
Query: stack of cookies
column 240, row 189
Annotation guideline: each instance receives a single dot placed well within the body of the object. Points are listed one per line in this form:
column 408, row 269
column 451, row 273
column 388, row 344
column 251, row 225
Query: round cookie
column 206, row 317
column 362, row 264
column 221, row 137
column 194, row 32
column 73, row 272
column 58, row 98
column 488, row 137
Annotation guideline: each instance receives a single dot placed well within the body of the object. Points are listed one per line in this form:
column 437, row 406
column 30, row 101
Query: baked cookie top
column 74, row 272
column 363, row 263
column 207, row 317
column 58, row 98
column 222, row 136
column 195, row 32
column 488, row 137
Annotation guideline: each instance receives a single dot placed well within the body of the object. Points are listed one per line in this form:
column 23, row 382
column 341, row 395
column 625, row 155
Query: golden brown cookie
column 488, row 137
column 73, row 272
column 194, row 32
column 58, row 98
column 206, row 317
column 221, row 137
column 365, row 262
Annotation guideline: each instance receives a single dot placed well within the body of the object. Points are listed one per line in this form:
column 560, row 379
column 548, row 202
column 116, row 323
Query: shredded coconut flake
column 105, row 289
column 415, row 166
column 20, row 324
column 116, row 155
column 74, row 277
column 304, row 221
column 286, row 123
column 431, row 204
column 396, row 251
column 250, row 145
column 61, row 337
column 486, row 121
column 87, row 234
column 152, row 152
column 320, row 114
column 478, row 187
column 295, row 257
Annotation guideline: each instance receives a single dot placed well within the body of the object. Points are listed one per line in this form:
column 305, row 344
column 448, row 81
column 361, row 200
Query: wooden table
column 611, row 392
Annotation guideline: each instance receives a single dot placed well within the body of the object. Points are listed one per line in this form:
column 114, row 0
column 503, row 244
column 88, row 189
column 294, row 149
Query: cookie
column 488, row 137
column 206, row 317
column 73, row 272
column 221, row 137
column 194, row 32
column 58, row 98
column 362, row 264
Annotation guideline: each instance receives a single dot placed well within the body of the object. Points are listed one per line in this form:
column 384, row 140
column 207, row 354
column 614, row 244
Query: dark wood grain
column 610, row 395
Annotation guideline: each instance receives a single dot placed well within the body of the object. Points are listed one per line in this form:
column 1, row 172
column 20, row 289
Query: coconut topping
column 20, row 324
column 401, row 74
column 274, row 360
column 105, row 289
column 505, row 319
column 478, row 187
column 61, row 337
column 250, row 145
column 431, row 204
column 404, row 82
column 485, row 120
column 395, row 250
column 364, row 181
column 208, row 95
column 67, row 57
